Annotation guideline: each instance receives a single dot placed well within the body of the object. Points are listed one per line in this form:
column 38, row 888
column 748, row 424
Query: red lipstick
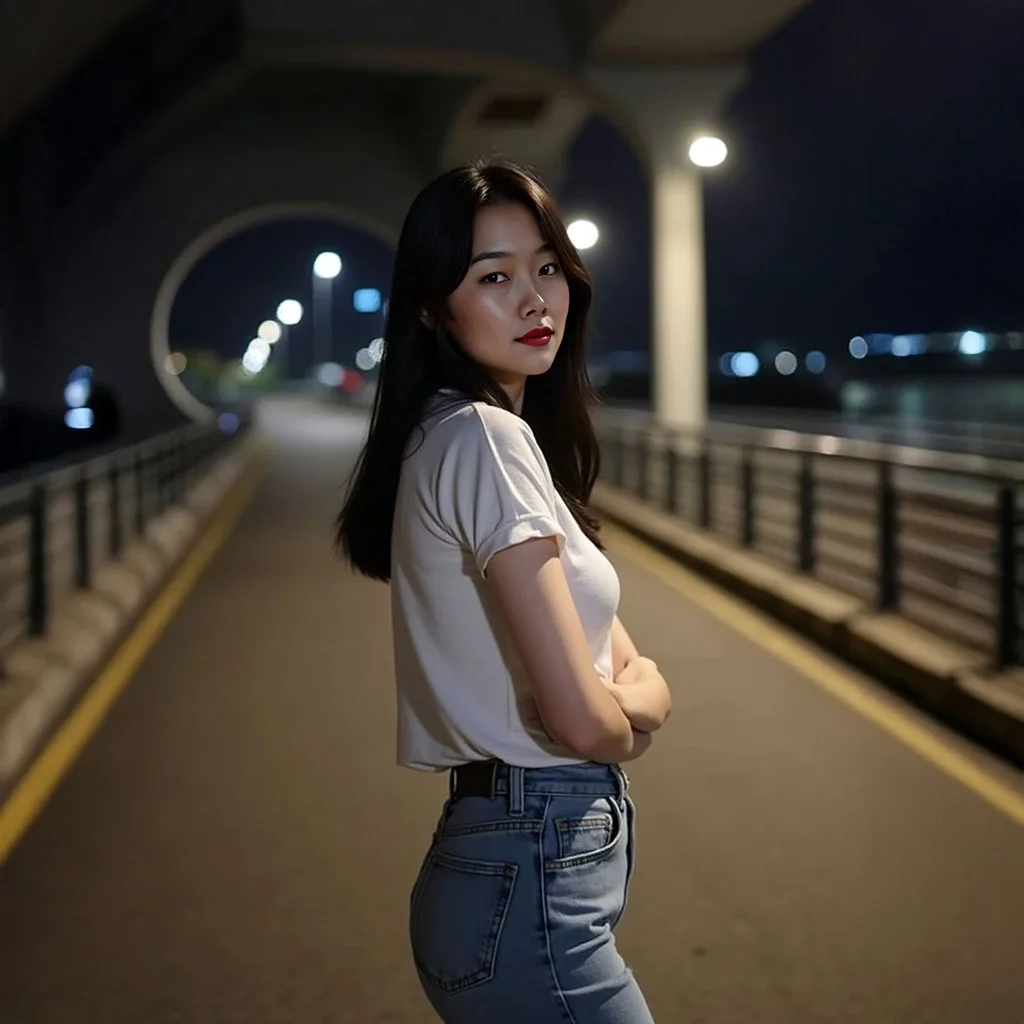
column 537, row 337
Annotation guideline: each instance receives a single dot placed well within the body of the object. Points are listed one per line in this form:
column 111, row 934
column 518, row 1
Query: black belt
column 474, row 779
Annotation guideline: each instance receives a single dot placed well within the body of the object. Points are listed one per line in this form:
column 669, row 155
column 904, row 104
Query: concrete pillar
column 664, row 109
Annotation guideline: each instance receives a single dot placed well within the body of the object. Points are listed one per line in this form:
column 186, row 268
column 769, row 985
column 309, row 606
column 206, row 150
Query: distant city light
column 815, row 362
column 79, row 385
column 366, row 300
column 289, row 312
column 228, row 422
column 76, row 394
column 972, row 343
column 269, row 330
column 902, row 346
column 327, row 265
column 858, row 347
column 708, row 151
column 78, row 419
column 260, row 347
column 786, row 363
column 745, row 364
column 364, row 360
column 253, row 362
column 583, row 234
column 376, row 349
column 175, row 364
column 330, row 374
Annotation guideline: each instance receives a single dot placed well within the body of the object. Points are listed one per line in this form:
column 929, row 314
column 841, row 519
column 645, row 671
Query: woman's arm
column 623, row 648
column 529, row 584
column 638, row 686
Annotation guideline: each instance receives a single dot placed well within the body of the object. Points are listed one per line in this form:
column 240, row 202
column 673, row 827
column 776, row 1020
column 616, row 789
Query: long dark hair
column 433, row 257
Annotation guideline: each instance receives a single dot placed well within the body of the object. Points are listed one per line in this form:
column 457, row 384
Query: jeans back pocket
column 456, row 918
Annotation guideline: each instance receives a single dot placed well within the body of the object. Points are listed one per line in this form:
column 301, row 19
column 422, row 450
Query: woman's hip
column 515, row 904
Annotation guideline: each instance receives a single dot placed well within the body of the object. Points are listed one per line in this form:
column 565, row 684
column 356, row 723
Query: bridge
column 200, row 818
column 234, row 842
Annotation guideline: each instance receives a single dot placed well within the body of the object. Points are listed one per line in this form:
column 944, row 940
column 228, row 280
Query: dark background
column 874, row 184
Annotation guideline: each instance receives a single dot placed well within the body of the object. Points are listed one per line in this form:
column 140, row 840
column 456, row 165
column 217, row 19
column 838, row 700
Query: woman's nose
column 534, row 303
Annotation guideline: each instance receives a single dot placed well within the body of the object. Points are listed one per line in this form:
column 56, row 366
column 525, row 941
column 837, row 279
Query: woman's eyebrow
column 498, row 254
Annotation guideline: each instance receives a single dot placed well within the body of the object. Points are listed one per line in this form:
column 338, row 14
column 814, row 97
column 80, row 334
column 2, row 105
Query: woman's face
column 509, row 312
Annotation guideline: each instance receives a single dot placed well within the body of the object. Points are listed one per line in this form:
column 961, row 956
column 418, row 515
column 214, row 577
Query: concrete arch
column 233, row 171
column 206, row 242
column 543, row 143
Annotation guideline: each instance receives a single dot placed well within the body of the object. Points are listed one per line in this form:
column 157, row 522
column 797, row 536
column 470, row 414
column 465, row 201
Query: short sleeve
column 495, row 488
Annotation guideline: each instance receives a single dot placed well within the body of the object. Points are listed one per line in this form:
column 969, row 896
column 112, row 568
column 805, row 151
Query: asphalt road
column 236, row 844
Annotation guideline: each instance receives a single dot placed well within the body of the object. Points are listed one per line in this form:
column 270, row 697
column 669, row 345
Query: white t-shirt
column 476, row 484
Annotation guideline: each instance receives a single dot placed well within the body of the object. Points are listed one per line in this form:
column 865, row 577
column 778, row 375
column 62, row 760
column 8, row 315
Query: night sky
column 877, row 179
column 240, row 283
column 875, row 184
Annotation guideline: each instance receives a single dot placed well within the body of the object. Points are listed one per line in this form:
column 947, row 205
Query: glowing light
column 786, row 363
column 76, row 394
column 78, row 419
column 858, row 347
column 583, row 234
column 364, row 360
column 175, row 364
column 366, row 300
column 745, row 364
column 228, row 422
column 253, row 363
column 376, row 349
column 260, row 348
column 327, row 265
column 708, row 151
column 289, row 312
column 329, row 374
column 815, row 362
column 269, row 330
column 972, row 343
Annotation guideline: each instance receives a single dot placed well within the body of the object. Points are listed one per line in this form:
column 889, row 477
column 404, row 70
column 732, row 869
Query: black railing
column 59, row 525
column 933, row 536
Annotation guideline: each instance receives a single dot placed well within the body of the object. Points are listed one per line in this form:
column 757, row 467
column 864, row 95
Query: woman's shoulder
column 469, row 421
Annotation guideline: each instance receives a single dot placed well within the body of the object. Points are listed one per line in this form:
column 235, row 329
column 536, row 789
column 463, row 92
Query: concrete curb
column 950, row 681
column 43, row 677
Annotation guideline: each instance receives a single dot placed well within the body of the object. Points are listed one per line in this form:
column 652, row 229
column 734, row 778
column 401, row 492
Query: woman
column 513, row 670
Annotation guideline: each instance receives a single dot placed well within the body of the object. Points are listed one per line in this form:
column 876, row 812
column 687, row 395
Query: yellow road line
column 842, row 685
column 40, row 781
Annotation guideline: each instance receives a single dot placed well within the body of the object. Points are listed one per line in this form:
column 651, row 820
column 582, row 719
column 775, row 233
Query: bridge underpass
column 236, row 844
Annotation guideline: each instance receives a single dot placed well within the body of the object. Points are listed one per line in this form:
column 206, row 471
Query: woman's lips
column 537, row 337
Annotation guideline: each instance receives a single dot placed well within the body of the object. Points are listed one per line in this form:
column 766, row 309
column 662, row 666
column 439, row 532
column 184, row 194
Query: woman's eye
column 551, row 268
column 492, row 278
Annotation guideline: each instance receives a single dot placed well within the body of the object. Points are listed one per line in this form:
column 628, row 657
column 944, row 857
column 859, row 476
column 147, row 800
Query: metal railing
column 933, row 536
column 58, row 525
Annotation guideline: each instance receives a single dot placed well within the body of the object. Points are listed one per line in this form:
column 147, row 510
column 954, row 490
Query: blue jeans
column 512, row 914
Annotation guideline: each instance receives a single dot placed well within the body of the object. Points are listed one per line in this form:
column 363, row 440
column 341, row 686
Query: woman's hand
column 643, row 694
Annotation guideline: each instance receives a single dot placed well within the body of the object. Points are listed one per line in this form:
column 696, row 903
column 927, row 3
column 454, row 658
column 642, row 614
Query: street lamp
column 326, row 267
column 583, row 234
column 270, row 330
column 289, row 313
column 708, row 151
